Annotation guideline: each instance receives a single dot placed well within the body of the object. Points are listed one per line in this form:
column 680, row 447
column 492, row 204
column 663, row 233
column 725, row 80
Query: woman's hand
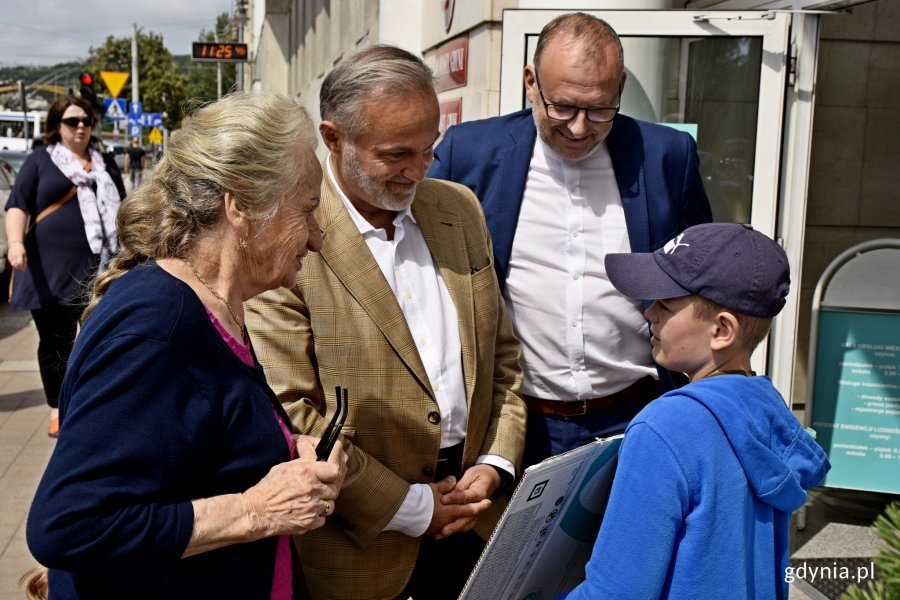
column 16, row 219
column 293, row 498
column 306, row 447
column 17, row 255
column 296, row 496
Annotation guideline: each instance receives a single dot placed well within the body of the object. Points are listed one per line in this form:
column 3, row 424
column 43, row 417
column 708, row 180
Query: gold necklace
column 216, row 294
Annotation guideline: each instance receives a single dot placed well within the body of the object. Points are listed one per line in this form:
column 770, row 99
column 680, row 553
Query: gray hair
column 247, row 143
column 376, row 73
column 590, row 34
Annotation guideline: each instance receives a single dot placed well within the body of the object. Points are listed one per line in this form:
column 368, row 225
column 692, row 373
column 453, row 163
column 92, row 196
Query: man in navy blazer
column 561, row 185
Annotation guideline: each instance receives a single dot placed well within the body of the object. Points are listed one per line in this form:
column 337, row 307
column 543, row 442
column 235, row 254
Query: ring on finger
column 326, row 508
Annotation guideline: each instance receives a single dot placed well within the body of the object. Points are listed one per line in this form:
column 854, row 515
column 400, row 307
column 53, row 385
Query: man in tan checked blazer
column 402, row 307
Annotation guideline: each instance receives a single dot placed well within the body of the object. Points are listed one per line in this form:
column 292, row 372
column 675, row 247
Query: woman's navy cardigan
column 155, row 411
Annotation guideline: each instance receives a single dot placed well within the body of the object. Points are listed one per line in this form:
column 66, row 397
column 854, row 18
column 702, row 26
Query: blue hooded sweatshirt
column 708, row 476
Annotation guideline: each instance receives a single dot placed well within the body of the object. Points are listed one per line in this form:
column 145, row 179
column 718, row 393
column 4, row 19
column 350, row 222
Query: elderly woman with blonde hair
column 176, row 474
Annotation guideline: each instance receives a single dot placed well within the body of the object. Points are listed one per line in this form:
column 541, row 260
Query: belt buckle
column 583, row 409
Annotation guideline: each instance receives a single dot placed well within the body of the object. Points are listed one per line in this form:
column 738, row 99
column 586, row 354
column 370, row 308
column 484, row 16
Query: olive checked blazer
column 341, row 325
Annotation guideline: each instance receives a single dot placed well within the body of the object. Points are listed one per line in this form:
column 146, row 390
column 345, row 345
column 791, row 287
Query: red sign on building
column 452, row 64
column 451, row 113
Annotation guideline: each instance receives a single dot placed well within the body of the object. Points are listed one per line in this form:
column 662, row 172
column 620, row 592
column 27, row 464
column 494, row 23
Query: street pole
column 240, row 18
column 218, row 70
column 165, row 131
column 135, row 90
column 24, row 113
column 239, row 67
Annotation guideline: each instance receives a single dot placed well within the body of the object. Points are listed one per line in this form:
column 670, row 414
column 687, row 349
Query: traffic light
column 87, row 88
column 88, row 94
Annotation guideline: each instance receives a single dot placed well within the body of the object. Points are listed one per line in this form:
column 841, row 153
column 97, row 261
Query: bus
column 12, row 129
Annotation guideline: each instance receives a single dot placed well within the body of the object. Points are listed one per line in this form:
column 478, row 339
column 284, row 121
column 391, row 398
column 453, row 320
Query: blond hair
column 752, row 329
column 247, row 143
column 34, row 583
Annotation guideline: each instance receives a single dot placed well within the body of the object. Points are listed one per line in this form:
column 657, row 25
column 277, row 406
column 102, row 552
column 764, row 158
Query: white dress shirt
column 580, row 337
column 430, row 314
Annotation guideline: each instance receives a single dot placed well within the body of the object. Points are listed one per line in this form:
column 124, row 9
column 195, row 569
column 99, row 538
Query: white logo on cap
column 674, row 244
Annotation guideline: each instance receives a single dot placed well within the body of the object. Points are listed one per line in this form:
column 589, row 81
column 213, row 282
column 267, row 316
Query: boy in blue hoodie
column 708, row 474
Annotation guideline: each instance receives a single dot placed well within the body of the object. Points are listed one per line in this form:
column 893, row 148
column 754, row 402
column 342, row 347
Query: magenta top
column 282, row 582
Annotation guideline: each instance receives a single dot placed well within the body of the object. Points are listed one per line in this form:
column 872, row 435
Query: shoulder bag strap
column 41, row 216
column 53, row 208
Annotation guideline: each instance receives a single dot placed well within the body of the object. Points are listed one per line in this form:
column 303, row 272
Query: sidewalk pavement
column 146, row 176
column 836, row 547
column 25, row 447
column 837, row 531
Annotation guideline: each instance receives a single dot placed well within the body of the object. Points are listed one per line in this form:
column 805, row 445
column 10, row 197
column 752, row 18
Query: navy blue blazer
column 656, row 168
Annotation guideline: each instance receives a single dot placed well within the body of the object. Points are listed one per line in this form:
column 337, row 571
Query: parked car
column 15, row 158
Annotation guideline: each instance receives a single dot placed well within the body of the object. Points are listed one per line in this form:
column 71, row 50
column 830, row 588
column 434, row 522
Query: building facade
column 835, row 175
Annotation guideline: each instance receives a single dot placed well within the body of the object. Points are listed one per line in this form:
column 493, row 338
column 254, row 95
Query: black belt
column 450, row 462
column 645, row 389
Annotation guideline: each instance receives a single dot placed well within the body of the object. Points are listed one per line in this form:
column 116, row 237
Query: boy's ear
column 727, row 329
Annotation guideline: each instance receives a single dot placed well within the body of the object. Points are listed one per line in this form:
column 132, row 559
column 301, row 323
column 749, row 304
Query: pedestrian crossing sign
column 115, row 109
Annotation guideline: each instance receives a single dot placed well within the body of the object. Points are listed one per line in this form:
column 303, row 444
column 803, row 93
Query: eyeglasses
column 562, row 112
column 75, row 121
column 323, row 448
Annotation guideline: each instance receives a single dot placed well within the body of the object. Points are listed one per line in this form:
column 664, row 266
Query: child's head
column 710, row 281
column 752, row 329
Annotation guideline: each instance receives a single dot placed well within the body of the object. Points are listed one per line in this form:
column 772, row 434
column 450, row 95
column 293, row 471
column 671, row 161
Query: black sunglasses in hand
column 330, row 437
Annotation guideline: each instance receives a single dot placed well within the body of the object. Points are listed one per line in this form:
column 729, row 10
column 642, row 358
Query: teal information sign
column 856, row 403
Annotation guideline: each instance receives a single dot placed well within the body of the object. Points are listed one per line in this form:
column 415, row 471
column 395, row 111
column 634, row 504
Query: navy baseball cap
column 727, row 263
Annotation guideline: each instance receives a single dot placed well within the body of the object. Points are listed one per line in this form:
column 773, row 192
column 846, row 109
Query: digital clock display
column 219, row 51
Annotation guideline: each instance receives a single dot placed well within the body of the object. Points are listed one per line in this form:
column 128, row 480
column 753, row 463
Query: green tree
column 202, row 86
column 162, row 86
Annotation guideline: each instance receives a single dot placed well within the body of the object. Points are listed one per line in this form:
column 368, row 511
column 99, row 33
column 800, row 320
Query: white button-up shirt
column 430, row 314
column 580, row 337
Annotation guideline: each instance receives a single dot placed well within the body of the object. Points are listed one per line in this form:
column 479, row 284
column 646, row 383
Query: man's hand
column 478, row 483
column 473, row 491
column 450, row 518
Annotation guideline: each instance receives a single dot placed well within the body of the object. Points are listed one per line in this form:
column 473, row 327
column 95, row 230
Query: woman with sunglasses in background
column 61, row 227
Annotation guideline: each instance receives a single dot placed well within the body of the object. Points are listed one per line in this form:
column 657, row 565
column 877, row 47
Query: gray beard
column 378, row 195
